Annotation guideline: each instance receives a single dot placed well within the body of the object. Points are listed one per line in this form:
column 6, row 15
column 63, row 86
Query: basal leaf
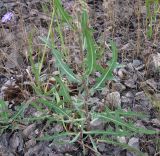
column 53, row 106
column 64, row 90
column 90, row 44
column 112, row 65
column 64, row 68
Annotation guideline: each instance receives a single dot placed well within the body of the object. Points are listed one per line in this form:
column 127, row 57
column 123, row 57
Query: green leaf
column 52, row 106
column 75, row 138
column 65, row 16
column 107, row 132
column 64, row 90
column 60, row 63
column 90, row 44
column 3, row 111
column 117, row 120
column 64, row 67
column 108, row 74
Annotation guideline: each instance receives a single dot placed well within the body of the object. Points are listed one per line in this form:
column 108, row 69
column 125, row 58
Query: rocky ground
column 137, row 84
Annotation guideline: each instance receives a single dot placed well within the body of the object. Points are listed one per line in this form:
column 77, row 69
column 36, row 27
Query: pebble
column 153, row 64
column 114, row 99
column 133, row 142
column 64, row 146
column 27, row 131
column 130, row 83
column 97, row 124
column 140, row 96
column 136, row 63
column 101, row 147
column 30, row 143
column 118, row 87
column 122, row 139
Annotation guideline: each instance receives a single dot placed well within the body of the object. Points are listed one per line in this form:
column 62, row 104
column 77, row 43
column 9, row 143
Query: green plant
column 151, row 15
column 78, row 105
column 73, row 112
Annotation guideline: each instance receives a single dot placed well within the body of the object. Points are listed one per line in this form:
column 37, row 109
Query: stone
column 62, row 145
column 56, row 129
column 30, row 143
column 153, row 64
column 130, row 83
column 16, row 142
column 105, row 91
column 27, row 131
column 101, row 147
column 140, row 96
column 97, row 124
column 136, row 63
column 133, row 142
column 114, row 99
column 122, row 73
column 126, row 100
column 122, row 139
column 118, row 87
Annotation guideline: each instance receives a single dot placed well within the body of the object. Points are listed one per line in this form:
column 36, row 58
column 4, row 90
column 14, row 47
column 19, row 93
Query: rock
column 101, row 147
column 118, row 87
column 130, row 83
column 39, row 149
column 30, row 143
column 16, row 143
column 5, row 152
column 133, row 142
column 105, row 91
column 156, row 122
column 140, row 124
column 122, row 139
column 152, row 84
column 27, row 131
column 136, row 63
column 114, row 99
column 97, row 124
column 130, row 67
column 37, row 114
column 93, row 100
column 140, row 96
column 122, row 73
column 56, row 129
column 141, row 67
column 128, row 98
column 129, row 95
column 153, row 64
column 151, row 150
column 62, row 145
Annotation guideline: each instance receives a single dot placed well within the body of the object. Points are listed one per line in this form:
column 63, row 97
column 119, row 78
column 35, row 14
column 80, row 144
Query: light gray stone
column 114, row 99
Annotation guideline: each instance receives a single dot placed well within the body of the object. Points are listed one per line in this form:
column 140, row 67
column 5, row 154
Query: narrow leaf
column 64, row 90
column 65, row 16
column 60, row 63
column 112, row 65
column 90, row 44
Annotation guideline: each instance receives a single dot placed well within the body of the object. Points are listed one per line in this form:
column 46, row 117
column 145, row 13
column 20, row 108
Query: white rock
column 114, row 99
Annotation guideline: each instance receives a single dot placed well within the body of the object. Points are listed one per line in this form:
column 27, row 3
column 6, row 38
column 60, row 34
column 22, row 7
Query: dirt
column 137, row 84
